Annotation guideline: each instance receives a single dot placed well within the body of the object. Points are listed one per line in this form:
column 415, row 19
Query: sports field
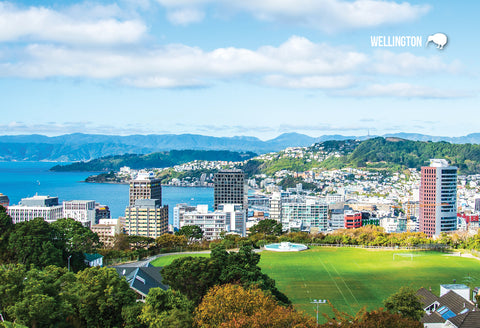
column 351, row 278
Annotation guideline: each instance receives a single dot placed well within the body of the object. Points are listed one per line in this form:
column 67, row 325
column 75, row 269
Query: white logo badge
column 439, row 39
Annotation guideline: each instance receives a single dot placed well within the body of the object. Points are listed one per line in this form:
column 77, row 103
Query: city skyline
column 237, row 68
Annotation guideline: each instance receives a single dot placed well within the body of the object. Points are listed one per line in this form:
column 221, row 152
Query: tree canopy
column 405, row 302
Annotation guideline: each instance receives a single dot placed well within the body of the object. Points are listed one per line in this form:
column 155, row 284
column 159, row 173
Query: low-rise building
column 353, row 219
column 45, row 207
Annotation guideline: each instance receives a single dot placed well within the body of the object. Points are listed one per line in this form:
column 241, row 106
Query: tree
column 35, row 298
column 76, row 240
column 242, row 267
column 171, row 241
column 34, row 243
column 131, row 314
column 192, row 276
column 42, row 303
column 99, row 295
column 405, row 302
column 75, row 236
column 267, row 227
column 169, row 309
column 191, row 232
column 375, row 319
column 6, row 226
column 234, row 306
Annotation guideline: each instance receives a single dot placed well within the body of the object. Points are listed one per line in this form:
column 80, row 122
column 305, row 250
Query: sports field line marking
column 331, row 278
column 343, row 280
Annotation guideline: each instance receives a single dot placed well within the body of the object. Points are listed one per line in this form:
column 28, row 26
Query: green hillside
column 159, row 160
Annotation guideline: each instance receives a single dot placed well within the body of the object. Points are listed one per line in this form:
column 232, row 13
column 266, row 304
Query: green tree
column 6, row 226
column 100, row 294
column 191, row 232
column 42, row 303
column 169, row 309
column 171, row 241
column 192, row 276
column 131, row 316
column 267, row 227
column 75, row 236
column 34, row 243
column 405, row 302
column 35, row 298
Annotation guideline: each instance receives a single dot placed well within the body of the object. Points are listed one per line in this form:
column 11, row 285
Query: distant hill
column 84, row 147
column 158, row 160
column 397, row 153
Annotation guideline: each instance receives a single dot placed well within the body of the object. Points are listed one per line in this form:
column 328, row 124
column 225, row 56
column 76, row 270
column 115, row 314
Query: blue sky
column 237, row 67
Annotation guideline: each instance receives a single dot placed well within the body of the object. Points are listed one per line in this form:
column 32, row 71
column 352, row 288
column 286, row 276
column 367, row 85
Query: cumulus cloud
column 180, row 65
column 298, row 63
column 326, row 15
column 75, row 25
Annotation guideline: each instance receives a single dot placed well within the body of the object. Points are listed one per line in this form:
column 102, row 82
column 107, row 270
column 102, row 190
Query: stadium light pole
column 318, row 302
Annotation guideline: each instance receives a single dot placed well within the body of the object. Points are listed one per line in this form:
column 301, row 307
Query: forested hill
column 396, row 153
column 160, row 159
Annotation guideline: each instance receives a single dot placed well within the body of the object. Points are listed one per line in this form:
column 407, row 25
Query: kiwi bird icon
column 439, row 39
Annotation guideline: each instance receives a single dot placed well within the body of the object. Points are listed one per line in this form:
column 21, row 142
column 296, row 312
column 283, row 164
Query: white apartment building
column 312, row 214
column 228, row 218
column 80, row 210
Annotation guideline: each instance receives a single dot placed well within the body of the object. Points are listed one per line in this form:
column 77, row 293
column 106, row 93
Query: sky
column 238, row 67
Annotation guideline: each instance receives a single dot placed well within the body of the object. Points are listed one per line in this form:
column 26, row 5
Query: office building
column 353, row 219
column 230, row 188
column 145, row 186
column 101, row 212
column 147, row 218
column 45, row 207
column 4, row 200
column 438, row 198
column 80, row 210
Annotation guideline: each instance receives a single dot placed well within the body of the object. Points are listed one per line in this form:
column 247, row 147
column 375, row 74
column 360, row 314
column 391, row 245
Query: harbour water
column 25, row 179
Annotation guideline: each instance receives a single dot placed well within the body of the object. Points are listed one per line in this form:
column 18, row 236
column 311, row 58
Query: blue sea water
column 25, row 179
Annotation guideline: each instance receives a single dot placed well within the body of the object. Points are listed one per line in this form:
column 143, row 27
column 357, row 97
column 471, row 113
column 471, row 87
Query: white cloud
column 78, row 24
column 297, row 63
column 326, row 15
column 403, row 90
column 185, row 16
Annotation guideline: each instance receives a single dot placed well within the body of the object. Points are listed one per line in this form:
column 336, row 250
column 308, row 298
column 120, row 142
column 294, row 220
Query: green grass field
column 351, row 278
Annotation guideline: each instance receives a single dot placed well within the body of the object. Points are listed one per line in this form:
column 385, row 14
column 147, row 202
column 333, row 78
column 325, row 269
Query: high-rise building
column 147, row 217
column 145, row 186
column 438, row 198
column 230, row 188
column 80, row 210
column 45, row 207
